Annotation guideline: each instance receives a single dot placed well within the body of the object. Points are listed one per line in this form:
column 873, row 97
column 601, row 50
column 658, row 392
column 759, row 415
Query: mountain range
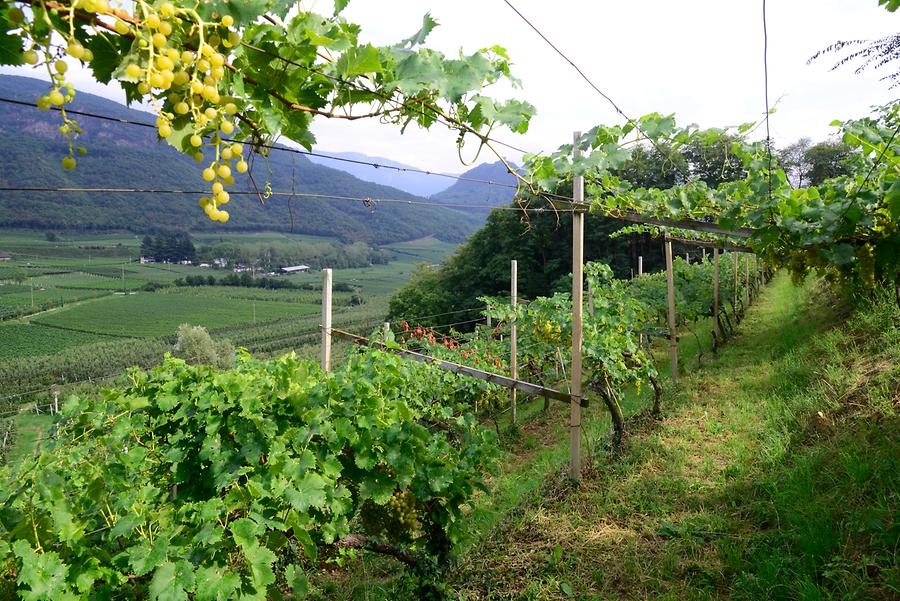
column 123, row 156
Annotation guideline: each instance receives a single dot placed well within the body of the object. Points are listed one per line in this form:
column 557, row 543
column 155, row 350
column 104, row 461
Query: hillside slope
column 477, row 193
column 123, row 156
column 774, row 473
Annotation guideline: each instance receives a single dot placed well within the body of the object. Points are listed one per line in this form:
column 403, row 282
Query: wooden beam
column 464, row 370
column 684, row 224
column 714, row 245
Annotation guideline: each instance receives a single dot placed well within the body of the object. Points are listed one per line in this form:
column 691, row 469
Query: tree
column 827, row 160
column 197, row 347
column 877, row 54
column 795, row 163
column 712, row 161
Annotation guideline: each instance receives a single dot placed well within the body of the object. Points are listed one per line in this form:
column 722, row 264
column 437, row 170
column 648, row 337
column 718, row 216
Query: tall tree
column 795, row 163
column 827, row 160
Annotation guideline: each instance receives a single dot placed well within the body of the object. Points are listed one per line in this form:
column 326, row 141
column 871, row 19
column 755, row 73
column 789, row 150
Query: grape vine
column 227, row 77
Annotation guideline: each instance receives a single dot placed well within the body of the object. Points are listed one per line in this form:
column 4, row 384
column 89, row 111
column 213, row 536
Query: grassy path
column 774, row 474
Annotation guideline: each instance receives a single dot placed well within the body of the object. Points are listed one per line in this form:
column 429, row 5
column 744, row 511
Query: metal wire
column 279, row 148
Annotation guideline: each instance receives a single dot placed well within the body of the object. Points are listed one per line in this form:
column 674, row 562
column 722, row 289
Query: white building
column 295, row 269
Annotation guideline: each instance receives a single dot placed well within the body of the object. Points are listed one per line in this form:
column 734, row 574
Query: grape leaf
column 378, row 486
column 11, row 50
column 428, row 25
column 244, row 531
column 168, row 583
column 297, row 580
column 244, row 12
column 339, row 6
column 359, row 61
column 215, row 584
column 309, row 492
column 892, row 199
column 261, row 560
column 44, row 573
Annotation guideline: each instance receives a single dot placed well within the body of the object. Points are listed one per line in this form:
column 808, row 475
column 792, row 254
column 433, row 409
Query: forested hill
column 476, row 193
column 125, row 156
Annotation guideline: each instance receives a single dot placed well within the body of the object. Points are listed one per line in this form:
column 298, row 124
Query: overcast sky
column 699, row 59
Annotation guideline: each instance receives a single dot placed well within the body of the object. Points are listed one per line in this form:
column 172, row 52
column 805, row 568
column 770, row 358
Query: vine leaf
column 309, row 492
column 359, row 61
column 44, row 573
column 11, row 50
column 171, row 581
column 428, row 25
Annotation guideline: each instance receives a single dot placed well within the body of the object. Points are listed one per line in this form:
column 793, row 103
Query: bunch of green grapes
column 866, row 256
column 183, row 62
column 42, row 50
column 178, row 61
column 396, row 521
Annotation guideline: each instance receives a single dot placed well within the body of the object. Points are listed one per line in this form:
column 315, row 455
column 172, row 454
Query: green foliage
column 844, row 228
column 197, row 347
column 254, row 71
column 189, row 477
column 541, row 244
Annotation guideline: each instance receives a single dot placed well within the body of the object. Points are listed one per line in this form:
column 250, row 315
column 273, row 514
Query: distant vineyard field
column 25, row 339
column 146, row 314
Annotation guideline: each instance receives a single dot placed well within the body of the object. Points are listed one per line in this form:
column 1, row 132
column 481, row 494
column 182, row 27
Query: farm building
column 295, row 269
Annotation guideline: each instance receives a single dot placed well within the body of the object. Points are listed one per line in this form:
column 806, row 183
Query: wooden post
column 734, row 297
column 758, row 274
column 55, row 401
column 716, row 290
column 673, row 335
column 513, row 334
column 386, row 329
column 326, row 319
column 490, row 322
column 704, row 255
column 747, row 279
column 577, row 301
column 640, row 273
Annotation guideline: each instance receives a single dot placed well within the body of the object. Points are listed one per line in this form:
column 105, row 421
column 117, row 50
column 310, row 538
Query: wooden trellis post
column 747, row 279
column 734, row 297
column 513, row 334
column 716, row 290
column 577, row 300
column 326, row 320
column 640, row 273
column 673, row 335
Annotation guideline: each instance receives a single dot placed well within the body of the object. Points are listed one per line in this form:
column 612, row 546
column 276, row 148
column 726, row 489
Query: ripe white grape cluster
column 41, row 51
column 189, row 82
column 178, row 60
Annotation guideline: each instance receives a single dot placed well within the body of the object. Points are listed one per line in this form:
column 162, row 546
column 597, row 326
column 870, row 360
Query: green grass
column 773, row 474
column 30, row 427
